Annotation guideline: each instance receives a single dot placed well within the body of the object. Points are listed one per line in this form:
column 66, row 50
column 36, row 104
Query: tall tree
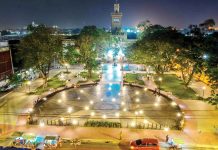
column 189, row 58
column 102, row 42
column 156, row 48
column 211, row 58
column 39, row 49
column 70, row 55
column 87, row 48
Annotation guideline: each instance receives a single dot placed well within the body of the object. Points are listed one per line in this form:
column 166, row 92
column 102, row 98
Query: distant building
column 116, row 22
column 6, row 66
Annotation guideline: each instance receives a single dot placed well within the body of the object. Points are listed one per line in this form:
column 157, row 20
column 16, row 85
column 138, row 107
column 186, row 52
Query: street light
column 122, row 103
column 29, row 83
column 66, row 65
column 156, row 104
column 133, row 124
column 30, row 110
column 205, row 56
column 141, row 112
column 203, row 88
column 69, row 110
column 86, row 107
column 104, row 116
column 91, row 102
column 159, row 79
column 136, row 114
column 173, row 103
column 41, row 124
column 117, row 114
column 137, row 100
column 137, row 92
column 145, row 121
column 124, row 109
column 74, row 122
column 166, row 129
column 92, row 114
column 178, row 114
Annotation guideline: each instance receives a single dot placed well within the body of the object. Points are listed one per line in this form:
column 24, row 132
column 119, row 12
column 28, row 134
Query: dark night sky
column 77, row 13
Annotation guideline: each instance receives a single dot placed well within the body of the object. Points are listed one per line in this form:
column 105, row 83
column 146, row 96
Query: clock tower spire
column 116, row 16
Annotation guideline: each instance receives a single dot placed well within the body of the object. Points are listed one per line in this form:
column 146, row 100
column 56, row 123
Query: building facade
column 116, row 22
column 6, row 66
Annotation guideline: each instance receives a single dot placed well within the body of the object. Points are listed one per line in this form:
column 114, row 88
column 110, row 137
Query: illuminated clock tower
column 116, row 16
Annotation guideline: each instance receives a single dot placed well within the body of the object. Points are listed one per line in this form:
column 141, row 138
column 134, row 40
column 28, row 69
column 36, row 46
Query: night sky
column 77, row 13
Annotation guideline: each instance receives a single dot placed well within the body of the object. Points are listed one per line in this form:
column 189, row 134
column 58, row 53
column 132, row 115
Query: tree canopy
column 165, row 48
column 39, row 49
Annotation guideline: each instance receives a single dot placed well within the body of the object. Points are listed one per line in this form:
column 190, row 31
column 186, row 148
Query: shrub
column 107, row 124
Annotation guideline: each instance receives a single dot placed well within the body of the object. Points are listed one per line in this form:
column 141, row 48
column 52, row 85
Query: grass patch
column 134, row 78
column 94, row 77
column 53, row 83
column 171, row 83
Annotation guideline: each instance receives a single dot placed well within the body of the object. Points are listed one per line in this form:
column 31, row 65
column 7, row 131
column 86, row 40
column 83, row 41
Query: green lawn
column 94, row 77
column 53, row 83
column 171, row 83
column 134, row 78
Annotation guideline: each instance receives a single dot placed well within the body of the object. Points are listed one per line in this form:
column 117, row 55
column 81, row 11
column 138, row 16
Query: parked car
column 7, row 87
column 145, row 144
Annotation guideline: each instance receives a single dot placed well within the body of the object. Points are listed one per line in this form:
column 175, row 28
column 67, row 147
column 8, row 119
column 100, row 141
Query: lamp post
column 136, row 115
column 66, row 65
column 203, row 88
column 69, row 110
column 29, row 83
column 159, row 79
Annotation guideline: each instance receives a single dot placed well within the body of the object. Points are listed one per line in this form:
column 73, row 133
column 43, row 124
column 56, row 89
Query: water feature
column 112, row 100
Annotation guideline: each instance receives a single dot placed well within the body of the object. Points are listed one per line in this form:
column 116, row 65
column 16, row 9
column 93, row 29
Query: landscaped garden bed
column 52, row 83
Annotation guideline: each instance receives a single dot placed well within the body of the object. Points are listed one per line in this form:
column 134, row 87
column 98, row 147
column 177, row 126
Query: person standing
column 167, row 138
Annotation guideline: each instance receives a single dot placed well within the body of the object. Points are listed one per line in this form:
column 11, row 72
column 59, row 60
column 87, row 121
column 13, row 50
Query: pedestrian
column 121, row 134
column 167, row 138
